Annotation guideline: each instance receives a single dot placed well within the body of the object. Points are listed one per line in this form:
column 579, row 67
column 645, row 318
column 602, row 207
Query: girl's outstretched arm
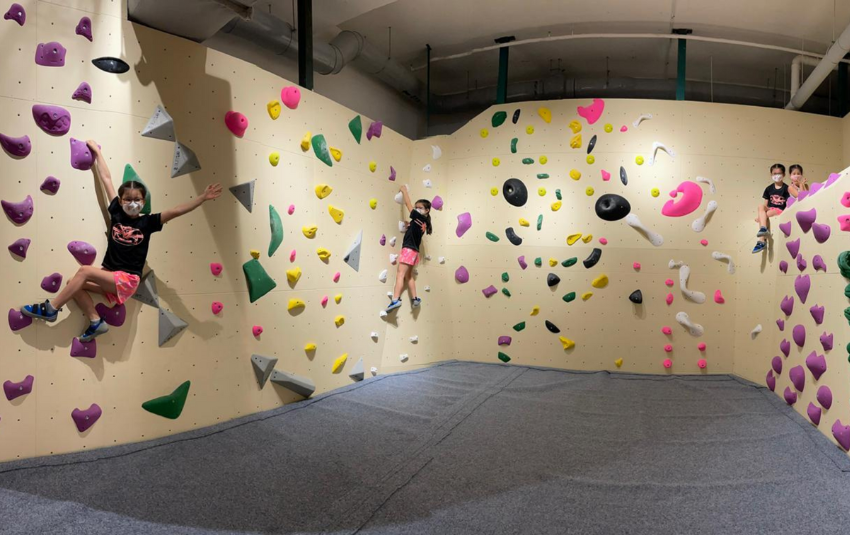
column 406, row 196
column 212, row 192
column 101, row 170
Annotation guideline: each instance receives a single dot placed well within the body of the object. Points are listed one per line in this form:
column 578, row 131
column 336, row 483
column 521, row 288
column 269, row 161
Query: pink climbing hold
column 783, row 266
column 291, row 209
column 817, row 314
column 790, row 396
column 83, row 93
column 50, row 185
column 701, row 346
column 392, row 176
column 290, row 96
column 236, row 123
column 16, row 147
column 20, row 247
column 52, row 283
column 50, row 54
column 216, row 268
column 669, row 282
column 770, row 380
column 324, row 301
column 489, row 291
column 814, row 413
column 603, row 241
column 818, row 263
column 799, row 335
column 256, row 330
column 217, row 307
column 842, row 434
column 81, row 156
column 18, row 321
column 383, row 240
column 504, row 340
column 606, row 176
column 787, row 305
column 114, row 316
column 702, row 364
column 668, row 348
column 801, row 263
column 375, row 129
column 785, row 347
column 83, row 252
column 669, row 299
column 21, row 388
column 84, row 419
column 667, row 363
column 593, row 112
column 845, row 200
column 776, row 364
column 785, row 228
column 688, row 202
column 636, row 266
column 16, row 13
column 824, row 397
column 462, row 275
column 703, row 242
column 793, row 247
column 821, row 232
column 798, row 378
column 805, row 219
column 816, row 364
column 292, row 255
column 826, row 341
column 53, row 120
column 437, row 203
column 84, row 349
column 844, row 222
column 522, row 262
column 336, row 276
column 84, row 28
column 802, row 285
column 718, row 297
column 667, row 330
column 624, row 128
column 464, row 223
column 781, row 324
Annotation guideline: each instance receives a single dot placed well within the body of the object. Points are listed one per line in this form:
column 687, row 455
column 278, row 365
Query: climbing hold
column 352, row 255
column 667, row 363
column 521, row 261
column 552, row 327
column 821, row 232
column 669, row 299
column 566, row 342
column 276, row 226
column 295, row 303
column 817, row 314
column 292, row 275
column 816, row 364
column 695, row 329
column 375, row 129
column 639, row 160
column 802, row 284
column 636, row 297
column 373, row 166
column 655, row 192
column 586, row 295
column 169, row 326
column 336, row 213
column 668, row 282
column 53, row 120
column 654, row 238
column 515, row 192
column 462, row 275
column 538, row 262
column 309, row 232
column 494, row 191
column 586, row 238
column 569, row 262
column 291, row 96
column 339, row 320
column 496, row 162
column 437, row 203
column 236, row 122
column 382, row 276
column 273, row 107
column 572, row 238
column 84, row 419
column 575, row 141
column 529, row 129
column 623, row 177
column 489, row 291
column 16, row 13
column 106, row 64
column 785, row 228
column 50, row 185
column 16, row 147
column 21, row 388
column 512, row 237
column 498, row 118
column 552, row 280
column 553, row 262
column 256, row 330
column 170, row 406
column 539, row 221
column 323, row 190
column 20, row 246
column 575, row 126
column 783, row 266
column 519, row 326
column 636, row 266
column 535, row 310
column 274, row 158
column 793, row 247
column 600, row 282
column 506, row 292
column 82, row 252
column 82, row 93
column 592, row 113
column 556, row 206
column 799, row 335
column 717, row 255
column 160, row 126
column 701, row 346
column 666, row 330
column 492, row 237
column 305, row 141
column 575, row 174
column 505, row 277
column 244, row 193
column 818, row 263
column 355, row 126
column 146, row 292
column 790, row 396
column 590, row 159
column 806, row 219
column 302, row 386
column 323, row 254
column 787, row 305
column 52, row 283
column 780, row 323
column 611, row 207
column 776, row 364
column 702, row 364
column 785, row 347
column 798, row 378
column 336, row 153
column 668, row 348
column 320, row 149
column 841, row 433
column 606, row 176
column 703, row 242
column 688, row 202
column 589, row 191
column 259, row 282
column 684, row 273
column 541, row 191
column 814, row 413
column 593, row 258
column 263, row 368
column 543, row 160
column 483, row 133
column 52, row 54
column 718, row 297
column 545, row 114
column 185, row 161
column 523, row 222
column 618, row 362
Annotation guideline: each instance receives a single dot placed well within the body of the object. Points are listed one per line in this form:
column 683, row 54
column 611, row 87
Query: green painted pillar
column 305, row 44
column 842, row 90
column 680, row 71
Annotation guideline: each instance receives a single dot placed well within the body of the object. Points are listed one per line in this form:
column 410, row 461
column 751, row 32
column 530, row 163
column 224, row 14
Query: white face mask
column 132, row 208
column 777, row 178
column 421, row 211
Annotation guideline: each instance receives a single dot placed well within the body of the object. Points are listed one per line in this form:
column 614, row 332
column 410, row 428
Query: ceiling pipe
column 833, row 56
column 796, row 68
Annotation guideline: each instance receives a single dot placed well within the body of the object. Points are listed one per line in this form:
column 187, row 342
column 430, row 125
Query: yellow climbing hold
column 373, row 203
column 336, row 153
column 575, row 174
column 484, row 132
column 545, row 114
column 600, row 282
column 309, row 348
column 274, row 158
column 589, row 191
column 292, row 275
column 586, row 295
column 575, row 126
column 339, row 363
column 639, row 160
column 339, row 320
column 273, row 108
column 566, row 342
column 541, row 191
column 535, row 311
column 586, row 239
column 556, row 206
column 309, row 232
column 336, row 213
column 494, row 191
column 295, row 303
column 619, row 361
column 496, row 162
column 523, row 222
column 655, row 192
column 543, row 160
column 575, row 142
column 572, row 238
column 609, row 128
column 553, row 262
column 255, row 253
column 305, row 141
column 591, row 159
column 323, row 190
column 529, row 129
column 337, row 299
column 323, row 253
column 373, row 166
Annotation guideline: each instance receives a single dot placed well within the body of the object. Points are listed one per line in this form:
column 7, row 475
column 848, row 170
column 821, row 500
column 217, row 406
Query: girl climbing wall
column 419, row 225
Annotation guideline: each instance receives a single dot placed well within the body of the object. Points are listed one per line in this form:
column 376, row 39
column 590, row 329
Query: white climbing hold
column 393, row 258
column 642, row 118
column 654, row 238
column 427, row 257
column 374, row 370
column 427, row 168
column 392, row 241
column 717, row 255
column 436, row 152
column 684, row 273
column 401, row 226
column 382, row 313
column 708, row 181
column 695, row 329
column 755, row 332
column 383, row 276
column 699, row 224
column 427, row 183
column 399, row 198
column 441, row 259
column 659, row 145
column 403, row 357
column 374, row 335
column 427, row 288
column 414, row 339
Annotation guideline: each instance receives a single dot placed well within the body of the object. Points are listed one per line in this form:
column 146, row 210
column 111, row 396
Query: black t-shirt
column 776, row 198
column 413, row 236
column 128, row 239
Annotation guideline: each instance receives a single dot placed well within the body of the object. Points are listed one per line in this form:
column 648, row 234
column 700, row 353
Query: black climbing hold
column 515, row 192
column 593, row 258
column 512, row 237
column 636, row 297
column 111, row 65
column 552, row 327
column 612, row 207
column 516, row 116
column 623, row 178
column 498, row 118
column 591, row 144
column 552, row 280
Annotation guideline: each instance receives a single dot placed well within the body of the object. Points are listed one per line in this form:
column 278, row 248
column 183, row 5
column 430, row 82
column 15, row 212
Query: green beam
column 502, row 87
column 680, row 71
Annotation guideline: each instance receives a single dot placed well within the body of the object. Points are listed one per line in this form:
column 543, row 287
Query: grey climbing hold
column 169, row 326
column 623, row 177
column 263, row 368
column 636, row 297
column 357, row 371
column 146, row 292
column 160, row 126
column 185, row 161
column 591, row 144
column 352, row 256
column 300, row 385
column 244, row 193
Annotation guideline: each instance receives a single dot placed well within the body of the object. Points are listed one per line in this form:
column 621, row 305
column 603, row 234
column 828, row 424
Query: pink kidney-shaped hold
column 770, row 380
column 814, row 413
column 667, row 363
column 53, row 120
column 84, row 253
column 688, row 202
column 52, row 283
column 290, row 96
column 83, row 93
column 336, row 276
column 464, row 223
column 701, row 346
column 718, row 297
column 824, row 397
column 20, row 247
column 114, row 316
column 16, row 147
column 776, row 364
column 84, row 349
column 84, row 419
column 256, row 330
column 799, row 335
column 785, row 347
column 81, row 157
column 816, row 364
column 50, row 185
column 790, row 396
column 703, row 242
column 802, row 285
column 292, row 255
column 826, row 341
column 798, row 377
column 785, row 228
column 50, row 54
column 817, row 314
column 842, row 434
column 217, row 307
column 669, row 282
column 437, row 203
column 21, row 388
column 236, row 122
column 84, row 28
column 324, row 301
column 593, row 112
column 291, row 209
column 16, row 13
column 462, row 275
column 18, row 321
column 216, row 268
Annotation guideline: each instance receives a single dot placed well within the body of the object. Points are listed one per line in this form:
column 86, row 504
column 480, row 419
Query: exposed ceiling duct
column 835, row 54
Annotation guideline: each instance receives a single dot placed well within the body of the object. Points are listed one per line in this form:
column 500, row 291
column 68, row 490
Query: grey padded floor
column 462, row 448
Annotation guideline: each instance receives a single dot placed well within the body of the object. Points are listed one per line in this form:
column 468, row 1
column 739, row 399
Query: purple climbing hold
column 375, row 129
column 770, row 380
column 437, row 203
column 799, row 335
column 84, row 349
column 817, row 314
column 785, row 347
column 16, row 147
column 16, row 390
column 488, row 291
column 785, row 228
column 392, row 173
column 802, row 285
column 53, row 120
column 816, row 187
column 83, row 93
column 461, row 275
column 52, row 283
column 464, row 223
column 826, row 341
column 800, row 196
column 793, row 247
column 831, row 180
column 814, row 412
column 522, row 262
column 781, row 324
column 383, row 240
column 18, row 321
column 50, row 54
column 821, row 232
column 776, row 364
column 816, row 364
column 81, row 156
column 787, row 305
column 84, row 28
column 798, row 377
column 841, row 434
column 789, row 202
column 801, row 263
column 114, row 316
column 16, row 13
column 82, row 252
column 805, row 219
column 824, row 397
column 783, row 266
column 818, row 263
column 19, row 248
column 790, row 396
column 87, row 418
column 50, row 185
column 504, row 340
column 19, row 212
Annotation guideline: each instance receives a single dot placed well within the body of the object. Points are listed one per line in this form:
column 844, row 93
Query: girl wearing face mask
column 798, row 181
column 775, row 198
column 127, row 249
column 419, row 225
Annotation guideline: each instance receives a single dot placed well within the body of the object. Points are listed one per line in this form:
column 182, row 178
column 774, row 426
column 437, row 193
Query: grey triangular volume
column 185, row 160
column 169, row 326
column 263, row 368
column 357, row 372
column 300, row 385
column 244, row 193
column 160, row 126
column 146, row 292
column 352, row 256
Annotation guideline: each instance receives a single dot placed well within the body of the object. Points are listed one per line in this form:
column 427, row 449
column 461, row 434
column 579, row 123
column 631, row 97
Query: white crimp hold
column 442, row 260
column 401, row 226
column 383, row 276
column 755, row 332
column 427, row 288
column 642, row 118
column 374, row 334
column 436, row 152
column 374, row 370
column 699, row 224
column 708, row 181
column 717, row 255
column 659, row 145
column 403, row 357
column 695, row 329
column 427, row 168
column 654, row 238
column 427, row 183
column 392, row 241
column 382, row 314
column 414, row 339
column 393, row 258
column 427, row 257
column 399, row 197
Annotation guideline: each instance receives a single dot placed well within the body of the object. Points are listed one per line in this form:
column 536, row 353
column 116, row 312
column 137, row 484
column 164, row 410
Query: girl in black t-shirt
column 419, row 225
column 775, row 200
column 126, row 252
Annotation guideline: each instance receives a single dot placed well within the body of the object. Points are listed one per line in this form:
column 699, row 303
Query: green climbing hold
column 538, row 261
column 320, row 147
column 569, row 262
column 847, row 314
column 259, row 282
column 569, row 297
column 513, row 145
column 543, row 175
column 505, row 277
column 844, row 264
column 492, row 237
column 528, row 161
column 498, row 118
column 169, row 406
column 539, row 221
column 519, row 326
column 506, row 292
column 847, row 291
column 130, row 175
column 355, row 126
column 277, row 230
column 558, row 194
column 504, row 358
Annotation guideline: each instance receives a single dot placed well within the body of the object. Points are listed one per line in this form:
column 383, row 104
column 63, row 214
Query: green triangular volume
column 130, row 175
column 277, row 230
column 170, row 406
column 356, row 128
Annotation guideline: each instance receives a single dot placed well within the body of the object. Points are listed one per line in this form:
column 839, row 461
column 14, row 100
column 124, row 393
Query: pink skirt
column 409, row 257
column 126, row 284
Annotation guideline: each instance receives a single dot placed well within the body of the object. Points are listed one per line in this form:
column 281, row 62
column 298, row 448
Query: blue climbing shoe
column 760, row 246
column 94, row 330
column 394, row 304
column 416, row 302
column 40, row 311
column 763, row 231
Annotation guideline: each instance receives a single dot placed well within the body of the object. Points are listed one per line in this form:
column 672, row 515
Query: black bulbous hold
column 515, row 192
column 636, row 297
column 612, row 207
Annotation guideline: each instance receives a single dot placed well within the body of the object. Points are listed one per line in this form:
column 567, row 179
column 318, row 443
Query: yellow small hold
column 305, row 141
column 541, row 191
column 575, row 126
column 553, row 262
column 336, row 153
column 494, row 191
column 529, row 129
column 591, row 159
column 572, row 238
column 655, row 192
column 566, row 342
column 309, row 348
column 337, row 299
column 545, row 114
column 292, row 275
column 575, row 174
column 339, row 320
column 336, row 213
column 373, row 203
column 274, row 158
column 600, row 282
column 575, row 142
column 535, row 311
column 608, row 129
column 556, row 206
column 273, row 108
column 587, row 238
column 295, row 303
column 543, row 160
column 255, row 253
column 309, row 232
column 618, row 362
column 323, row 253
column 496, row 162
column 586, row 295
column 523, row 222
column 339, row 363
column 589, row 191
column 373, row 166
column 484, row 132
column 639, row 160
column 323, row 190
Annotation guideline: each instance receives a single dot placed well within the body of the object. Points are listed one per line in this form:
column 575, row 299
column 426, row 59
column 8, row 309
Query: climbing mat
column 461, row 447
